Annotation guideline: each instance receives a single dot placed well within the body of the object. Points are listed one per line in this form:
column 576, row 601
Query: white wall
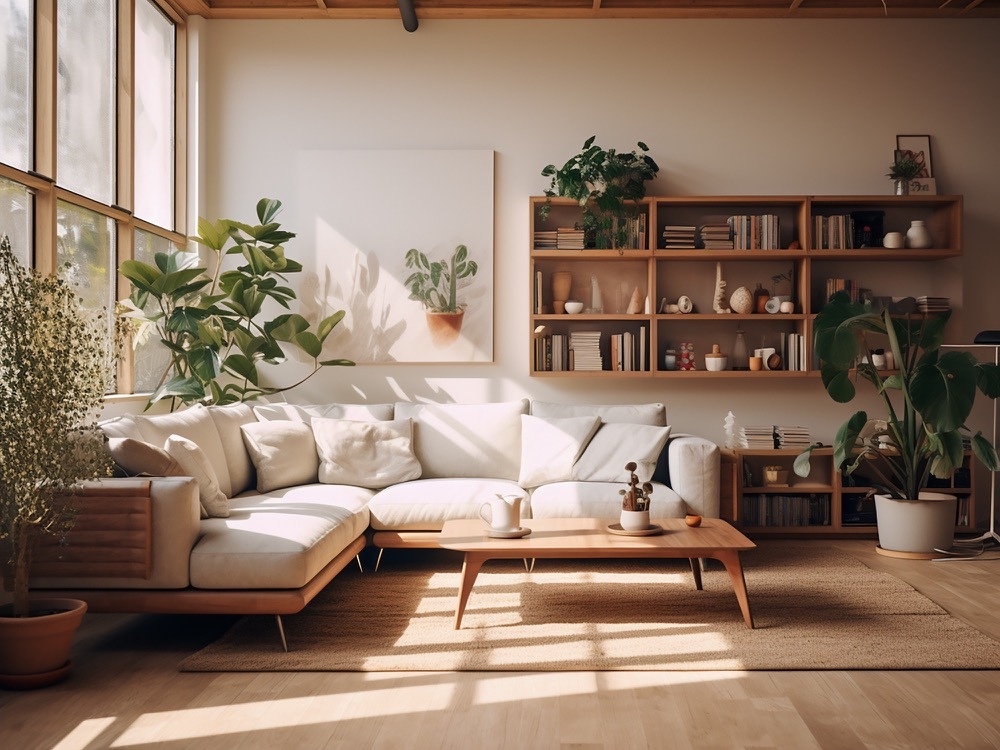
column 727, row 107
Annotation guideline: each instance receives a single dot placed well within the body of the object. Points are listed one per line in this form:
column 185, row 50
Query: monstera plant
column 213, row 323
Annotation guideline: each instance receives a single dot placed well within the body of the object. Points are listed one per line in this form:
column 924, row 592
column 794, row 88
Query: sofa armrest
column 695, row 470
column 163, row 529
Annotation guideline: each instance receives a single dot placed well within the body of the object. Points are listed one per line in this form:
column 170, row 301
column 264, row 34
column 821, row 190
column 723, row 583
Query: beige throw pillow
column 550, row 447
column 365, row 454
column 193, row 462
column 283, row 453
column 615, row 445
column 138, row 458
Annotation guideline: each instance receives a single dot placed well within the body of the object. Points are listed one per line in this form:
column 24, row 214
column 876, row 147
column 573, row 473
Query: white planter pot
column 635, row 520
column 916, row 527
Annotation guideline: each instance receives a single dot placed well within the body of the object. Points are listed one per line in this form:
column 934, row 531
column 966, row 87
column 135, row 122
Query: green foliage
column 608, row 185
column 55, row 368
column 212, row 324
column 435, row 283
column 904, row 168
column 934, row 396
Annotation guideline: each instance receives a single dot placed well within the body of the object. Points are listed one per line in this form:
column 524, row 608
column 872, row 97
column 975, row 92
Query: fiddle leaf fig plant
column 926, row 401
column 608, row 185
column 435, row 284
column 56, row 366
column 214, row 324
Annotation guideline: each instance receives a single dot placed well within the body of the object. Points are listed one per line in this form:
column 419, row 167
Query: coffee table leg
column 731, row 559
column 470, row 569
column 696, row 571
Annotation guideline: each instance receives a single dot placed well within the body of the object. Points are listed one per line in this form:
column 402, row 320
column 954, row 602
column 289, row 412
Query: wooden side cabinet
column 762, row 496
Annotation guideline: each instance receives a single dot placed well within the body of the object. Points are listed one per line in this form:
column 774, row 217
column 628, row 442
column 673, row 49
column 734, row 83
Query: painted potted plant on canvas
column 927, row 401
column 55, row 367
column 435, row 285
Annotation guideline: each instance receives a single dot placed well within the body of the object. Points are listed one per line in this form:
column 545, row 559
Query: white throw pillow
column 615, row 445
column 365, row 454
column 196, row 424
column 550, row 447
column 194, row 463
column 283, row 452
column 654, row 413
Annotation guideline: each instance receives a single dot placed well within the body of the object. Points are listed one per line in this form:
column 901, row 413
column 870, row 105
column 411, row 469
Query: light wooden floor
column 126, row 692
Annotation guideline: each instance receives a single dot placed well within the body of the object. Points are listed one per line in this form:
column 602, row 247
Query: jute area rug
column 814, row 607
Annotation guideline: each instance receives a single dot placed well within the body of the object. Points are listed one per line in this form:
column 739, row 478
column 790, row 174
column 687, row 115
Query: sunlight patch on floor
column 84, row 733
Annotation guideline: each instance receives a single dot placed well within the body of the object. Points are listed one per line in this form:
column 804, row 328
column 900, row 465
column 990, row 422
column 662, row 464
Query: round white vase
column 915, row 528
column 635, row 520
column 917, row 236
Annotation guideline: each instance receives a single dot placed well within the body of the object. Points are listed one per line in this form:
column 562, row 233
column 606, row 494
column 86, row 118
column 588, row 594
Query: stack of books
column 678, row 236
column 716, row 237
column 546, row 239
column 792, row 437
column 569, row 238
column 755, row 232
column 586, row 347
column 757, row 438
column 933, row 304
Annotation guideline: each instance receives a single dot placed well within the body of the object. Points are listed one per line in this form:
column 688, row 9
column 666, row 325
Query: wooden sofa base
column 214, row 601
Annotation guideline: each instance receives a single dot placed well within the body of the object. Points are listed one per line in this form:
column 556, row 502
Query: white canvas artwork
column 358, row 212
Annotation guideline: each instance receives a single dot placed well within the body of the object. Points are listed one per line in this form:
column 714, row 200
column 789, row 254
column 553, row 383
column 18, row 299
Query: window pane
column 151, row 357
column 16, row 212
column 154, row 115
column 85, row 98
column 16, row 82
column 86, row 243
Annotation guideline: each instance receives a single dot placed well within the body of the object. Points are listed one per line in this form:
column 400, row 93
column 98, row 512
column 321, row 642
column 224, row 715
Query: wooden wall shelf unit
column 822, row 504
column 799, row 265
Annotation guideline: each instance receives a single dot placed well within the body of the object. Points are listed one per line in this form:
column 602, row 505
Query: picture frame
column 919, row 147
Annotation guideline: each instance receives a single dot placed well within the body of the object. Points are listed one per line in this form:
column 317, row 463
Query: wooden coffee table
column 589, row 538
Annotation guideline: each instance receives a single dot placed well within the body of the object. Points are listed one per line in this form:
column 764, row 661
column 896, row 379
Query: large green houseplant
column 927, row 401
column 55, row 368
column 608, row 184
column 214, row 322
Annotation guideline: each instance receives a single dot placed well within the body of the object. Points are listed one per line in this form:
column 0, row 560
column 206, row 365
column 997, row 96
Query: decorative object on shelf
column 756, row 363
column 687, row 357
column 924, row 429
column 573, row 306
column 903, row 169
column 210, row 323
column 596, row 300
column 435, row 285
column 635, row 303
column 720, row 291
column 56, row 366
column 741, row 302
column 918, row 236
column 787, row 307
column 693, row 520
column 635, row 501
column 773, row 304
column 608, row 184
column 893, row 240
column 684, row 305
column 716, row 361
column 917, row 148
column 670, row 359
column 741, row 355
column 729, row 426
column 562, row 283
column 760, row 299
column 775, row 476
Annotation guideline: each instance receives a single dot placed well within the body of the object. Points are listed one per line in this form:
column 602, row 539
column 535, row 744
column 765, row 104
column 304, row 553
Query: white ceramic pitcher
column 502, row 513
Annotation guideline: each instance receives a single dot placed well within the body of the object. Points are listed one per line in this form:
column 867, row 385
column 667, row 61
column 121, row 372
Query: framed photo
column 918, row 147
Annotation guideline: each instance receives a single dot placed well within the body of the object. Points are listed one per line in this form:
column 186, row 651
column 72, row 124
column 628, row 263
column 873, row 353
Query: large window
column 88, row 156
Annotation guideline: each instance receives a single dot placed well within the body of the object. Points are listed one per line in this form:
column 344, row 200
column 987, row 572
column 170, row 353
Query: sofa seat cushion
column 598, row 500
column 425, row 504
column 280, row 539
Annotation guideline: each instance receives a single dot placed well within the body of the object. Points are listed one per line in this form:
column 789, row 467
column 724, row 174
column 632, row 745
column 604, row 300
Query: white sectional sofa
column 255, row 509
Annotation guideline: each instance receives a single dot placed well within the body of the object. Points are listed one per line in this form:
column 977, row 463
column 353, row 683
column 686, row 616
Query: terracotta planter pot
column 915, row 528
column 444, row 327
column 34, row 650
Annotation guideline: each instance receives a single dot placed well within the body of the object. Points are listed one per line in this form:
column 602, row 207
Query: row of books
column 834, row 285
column 756, row 232
column 628, row 351
column 786, row 510
column 792, row 348
column 835, row 232
column 561, row 238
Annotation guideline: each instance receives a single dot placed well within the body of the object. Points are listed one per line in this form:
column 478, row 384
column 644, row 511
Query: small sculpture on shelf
column 687, row 361
column 720, row 291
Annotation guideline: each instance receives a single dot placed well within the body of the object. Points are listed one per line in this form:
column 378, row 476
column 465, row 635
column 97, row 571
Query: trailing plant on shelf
column 921, row 432
column 608, row 185
column 213, row 324
column 56, row 366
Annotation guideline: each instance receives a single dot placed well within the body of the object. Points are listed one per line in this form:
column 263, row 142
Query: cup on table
column 502, row 513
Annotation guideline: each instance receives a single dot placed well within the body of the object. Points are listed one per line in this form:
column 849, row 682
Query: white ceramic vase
column 635, row 520
column 917, row 236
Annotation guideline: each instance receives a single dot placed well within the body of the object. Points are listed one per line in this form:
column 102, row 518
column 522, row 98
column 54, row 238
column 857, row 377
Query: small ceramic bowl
column 716, row 364
column 573, row 307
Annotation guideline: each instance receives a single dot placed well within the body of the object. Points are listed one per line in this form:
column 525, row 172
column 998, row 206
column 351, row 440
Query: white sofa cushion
column 280, row 539
column 615, row 445
column 121, row 427
column 366, row 454
column 424, row 505
column 283, row 453
column 598, row 500
column 305, row 412
column 228, row 420
column 653, row 414
column 466, row 440
column 196, row 424
column 193, row 462
column 550, row 447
